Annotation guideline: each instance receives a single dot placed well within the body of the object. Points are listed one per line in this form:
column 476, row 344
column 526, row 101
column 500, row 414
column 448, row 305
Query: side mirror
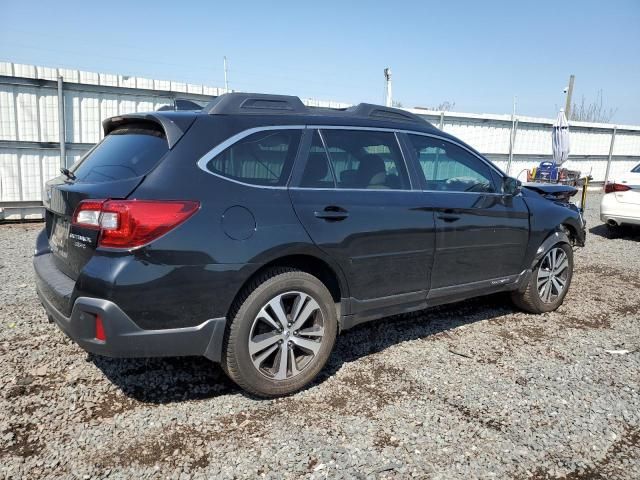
column 511, row 186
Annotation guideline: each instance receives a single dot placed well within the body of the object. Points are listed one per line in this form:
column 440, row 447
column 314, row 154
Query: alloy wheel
column 553, row 275
column 286, row 335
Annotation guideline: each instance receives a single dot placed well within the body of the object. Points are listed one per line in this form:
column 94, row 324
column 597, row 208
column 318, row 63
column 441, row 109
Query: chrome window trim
column 404, row 159
column 215, row 151
column 202, row 162
column 387, row 190
column 483, row 160
column 327, row 154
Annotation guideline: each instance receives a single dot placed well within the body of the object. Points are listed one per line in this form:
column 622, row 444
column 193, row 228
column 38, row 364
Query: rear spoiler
column 174, row 124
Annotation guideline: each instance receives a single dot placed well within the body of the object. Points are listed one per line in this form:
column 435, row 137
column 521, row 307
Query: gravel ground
column 472, row 390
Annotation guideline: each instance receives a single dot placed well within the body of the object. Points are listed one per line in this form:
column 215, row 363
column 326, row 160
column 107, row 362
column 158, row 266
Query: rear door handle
column 332, row 213
column 448, row 216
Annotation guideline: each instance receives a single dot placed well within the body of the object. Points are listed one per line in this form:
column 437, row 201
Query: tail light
column 615, row 187
column 132, row 223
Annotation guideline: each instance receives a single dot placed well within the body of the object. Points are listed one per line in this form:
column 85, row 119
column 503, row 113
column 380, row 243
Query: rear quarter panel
column 194, row 272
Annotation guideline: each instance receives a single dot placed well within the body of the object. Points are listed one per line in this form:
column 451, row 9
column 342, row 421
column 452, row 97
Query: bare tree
column 592, row 112
column 445, row 106
column 397, row 104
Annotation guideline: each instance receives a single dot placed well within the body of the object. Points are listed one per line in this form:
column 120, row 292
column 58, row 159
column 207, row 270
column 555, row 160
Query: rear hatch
column 132, row 147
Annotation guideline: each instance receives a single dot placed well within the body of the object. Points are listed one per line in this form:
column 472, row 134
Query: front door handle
column 332, row 213
column 448, row 217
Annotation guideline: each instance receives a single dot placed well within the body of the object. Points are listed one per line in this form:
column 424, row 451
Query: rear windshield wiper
column 67, row 173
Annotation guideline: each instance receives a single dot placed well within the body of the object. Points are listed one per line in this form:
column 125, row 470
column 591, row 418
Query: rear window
column 263, row 158
column 127, row 152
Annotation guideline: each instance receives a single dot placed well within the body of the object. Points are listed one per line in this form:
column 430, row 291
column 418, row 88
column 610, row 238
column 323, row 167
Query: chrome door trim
column 211, row 154
column 202, row 162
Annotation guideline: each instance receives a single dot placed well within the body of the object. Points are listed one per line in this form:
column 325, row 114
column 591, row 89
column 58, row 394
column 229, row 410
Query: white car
column 621, row 202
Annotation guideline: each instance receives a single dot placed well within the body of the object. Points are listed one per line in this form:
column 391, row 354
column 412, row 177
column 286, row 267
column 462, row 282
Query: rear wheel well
column 306, row 263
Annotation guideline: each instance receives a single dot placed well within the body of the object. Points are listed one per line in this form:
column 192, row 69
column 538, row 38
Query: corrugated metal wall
column 590, row 142
column 29, row 129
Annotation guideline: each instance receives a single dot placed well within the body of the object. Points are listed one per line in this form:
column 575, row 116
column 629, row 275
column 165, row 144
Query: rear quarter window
column 262, row 158
column 127, row 152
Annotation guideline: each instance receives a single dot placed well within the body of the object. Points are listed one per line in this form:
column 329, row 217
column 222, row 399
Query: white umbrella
column 560, row 139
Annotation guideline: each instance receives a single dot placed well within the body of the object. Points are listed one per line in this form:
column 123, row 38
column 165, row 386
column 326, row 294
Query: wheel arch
column 328, row 274
column 560, row 235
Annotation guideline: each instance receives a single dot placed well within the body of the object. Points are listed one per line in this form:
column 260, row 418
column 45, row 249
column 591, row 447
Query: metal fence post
column 62, row 127
column 613, row 141
column 441, row 120
column 512, row 143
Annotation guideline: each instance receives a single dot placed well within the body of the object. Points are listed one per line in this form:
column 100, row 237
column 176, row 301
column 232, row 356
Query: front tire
column 549, row 282
column 281, row 334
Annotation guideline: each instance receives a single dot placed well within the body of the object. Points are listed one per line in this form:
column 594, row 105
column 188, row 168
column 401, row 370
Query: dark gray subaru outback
column 253, row 230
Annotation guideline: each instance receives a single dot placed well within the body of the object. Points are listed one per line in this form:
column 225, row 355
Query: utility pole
column 512, row 136
column 567, row 107
column 387, row 77
column 226, row 81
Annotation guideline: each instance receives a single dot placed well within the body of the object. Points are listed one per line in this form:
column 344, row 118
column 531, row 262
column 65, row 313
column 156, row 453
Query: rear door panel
column 384, row 246
column 382, row 239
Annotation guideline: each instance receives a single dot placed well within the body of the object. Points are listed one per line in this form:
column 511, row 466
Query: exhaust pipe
column 612, row 223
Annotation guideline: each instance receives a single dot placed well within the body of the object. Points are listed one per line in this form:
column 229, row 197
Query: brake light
column 615, row 187
column 132, row 223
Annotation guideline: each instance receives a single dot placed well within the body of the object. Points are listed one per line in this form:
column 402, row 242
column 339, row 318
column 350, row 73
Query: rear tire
column 549, row 281
column 282, row 332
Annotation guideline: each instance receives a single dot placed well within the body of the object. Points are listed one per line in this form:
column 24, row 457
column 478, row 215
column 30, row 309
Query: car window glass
column 263, row 158
column 317, row 173
column 127, row 152
column 448, row 167
column 636, row 169
column 363, row 159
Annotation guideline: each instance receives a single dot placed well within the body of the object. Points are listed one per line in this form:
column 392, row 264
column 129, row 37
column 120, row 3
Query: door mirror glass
column 511, row 186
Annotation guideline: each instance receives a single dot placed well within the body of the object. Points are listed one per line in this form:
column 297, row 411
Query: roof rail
column 386, row 113
column 262, row 103
column 181, row 104
column 230, row 103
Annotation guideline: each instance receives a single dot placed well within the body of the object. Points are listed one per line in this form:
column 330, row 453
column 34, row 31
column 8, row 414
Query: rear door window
column 262, row 158
column 127, row 152
column 366, row 159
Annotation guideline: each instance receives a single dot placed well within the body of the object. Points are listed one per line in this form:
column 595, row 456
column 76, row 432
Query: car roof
column 248, row 110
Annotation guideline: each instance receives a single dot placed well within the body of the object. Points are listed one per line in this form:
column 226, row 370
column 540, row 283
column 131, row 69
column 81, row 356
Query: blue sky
column 478, row 54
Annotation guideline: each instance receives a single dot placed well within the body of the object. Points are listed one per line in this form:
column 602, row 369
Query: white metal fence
column 30, row 121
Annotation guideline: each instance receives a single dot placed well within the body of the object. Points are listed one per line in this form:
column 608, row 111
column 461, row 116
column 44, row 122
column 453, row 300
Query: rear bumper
column 619, row 212
column 123, row 337
column 619, row 219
